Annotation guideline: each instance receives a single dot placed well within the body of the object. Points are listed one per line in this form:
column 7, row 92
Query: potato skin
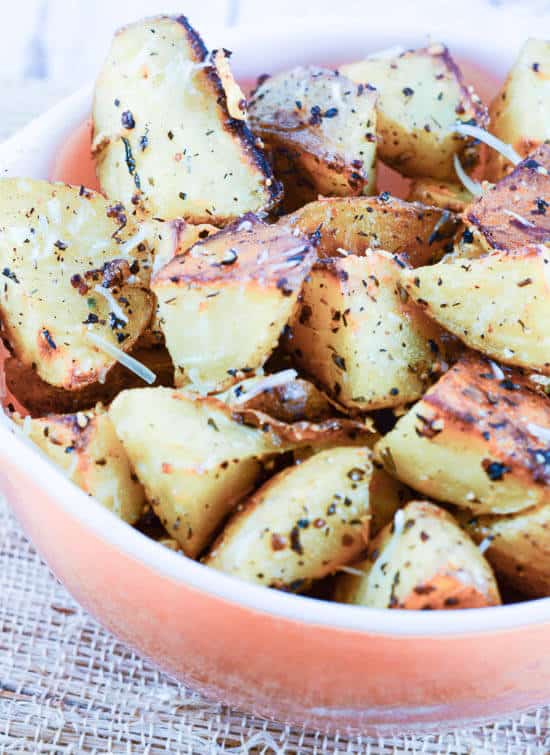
column 515, row 213
column 302, row 524
column 87, row 448
column 421, row 95
column 365, row 345
column 178, row 157
column 519, row 547
column 222, row 306
column 476, row 439
column 320, row 130
column 68, row 258
column 419, row 233
column 421, row 561
column 497, row 303
column 520, row 113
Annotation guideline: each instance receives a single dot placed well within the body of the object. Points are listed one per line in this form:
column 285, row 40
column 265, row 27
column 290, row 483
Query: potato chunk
column 68, row 255
column 196, row 457
column 516, row 211
column 320, row 129
column 476, row 439
column 518, row 547
column 445, row 194
column 423, row 560
column 87, row 448
column 170, row 128
column 223, row 305
column 520, row 113
column 302, row 524
column 355, row 334
column 356, row 224
column 421, row 95
column 498, row 304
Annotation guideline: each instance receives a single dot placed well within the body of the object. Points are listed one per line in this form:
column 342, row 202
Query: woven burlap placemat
column 68, row 686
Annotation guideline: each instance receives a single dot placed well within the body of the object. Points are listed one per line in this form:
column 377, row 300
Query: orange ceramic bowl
column 293, row 658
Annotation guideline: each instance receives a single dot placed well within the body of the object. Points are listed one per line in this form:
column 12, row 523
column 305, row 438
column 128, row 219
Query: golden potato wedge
column 40, row 398
column 445, row 194
column 68, row 259
column 516, row 211
column 517, row 546
column 386, row 495
column 358, row 337
column 423, row 560
column 421, row 95
column 498, row 304
column 222, row 305
column 175, row 237
column 87, row 448
column 476, row 439
column 302, row 524
column 167, row 132
column 520, row 113
column 355, row 224
column 320, row 130
column 196, row 457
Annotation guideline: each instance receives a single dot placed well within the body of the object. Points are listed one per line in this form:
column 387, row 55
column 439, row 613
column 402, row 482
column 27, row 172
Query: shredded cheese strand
column 125, row 359
column 506, row 150
column 473, row 186
column 271, row 381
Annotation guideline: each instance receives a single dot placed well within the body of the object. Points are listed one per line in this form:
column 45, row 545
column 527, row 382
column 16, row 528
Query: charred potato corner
column 249, row 350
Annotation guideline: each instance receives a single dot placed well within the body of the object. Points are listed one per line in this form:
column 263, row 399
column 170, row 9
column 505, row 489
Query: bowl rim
column 17, row 450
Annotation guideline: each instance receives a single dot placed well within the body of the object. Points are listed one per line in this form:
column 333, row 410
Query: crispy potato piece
column 40, row 398
column 186, row 155
column 302, row 524
column 520, row 113
column 421, row 95
column 223, row 305
column 518, row 547
column 423, row 560
column 356, row 224
column 68, row 256
column 87, row 448
column 293, row 400
column 516, row 211
column 177, row 237
column 498, row 304
column 196, row 457
column 356, row 335
column 320, row 129
column 445, row 194
column 386, row 495
column 476, row 439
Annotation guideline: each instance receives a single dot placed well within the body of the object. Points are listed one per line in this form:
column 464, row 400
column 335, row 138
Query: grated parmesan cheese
column 126, row 360
column 506, row 150
column 473, row 187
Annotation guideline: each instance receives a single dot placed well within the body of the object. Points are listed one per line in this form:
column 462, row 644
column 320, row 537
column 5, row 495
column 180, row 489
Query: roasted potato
column 516, row 211
column 520, row 114
column 421, row 95
column 302, row 524
column 87, row 448
column 517, row 546
column 358, row 337
column 196, row 457
column 320, row 130
column 476, row 439
column 498, row 304
column 175, row 237
column 68, row 258
column 445, row 194
column 356, row 224
column 423, row 560
column 170, row 128
column 40, row 398
column 222, row 305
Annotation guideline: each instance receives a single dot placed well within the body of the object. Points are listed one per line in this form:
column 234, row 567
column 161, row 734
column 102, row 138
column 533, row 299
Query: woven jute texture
column 68, row 686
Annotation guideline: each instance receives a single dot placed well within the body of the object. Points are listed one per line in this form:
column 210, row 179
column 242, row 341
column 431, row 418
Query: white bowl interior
column 30, row 153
